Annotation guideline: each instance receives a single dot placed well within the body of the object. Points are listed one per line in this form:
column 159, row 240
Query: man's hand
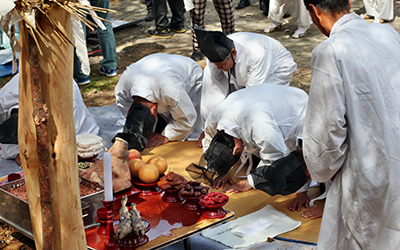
column 241, row 186
column 238, row 148
column 157, row 140
column 18, row 160
column 314, row 212
column 200, row 140
column 222, row 180
column 300, row 200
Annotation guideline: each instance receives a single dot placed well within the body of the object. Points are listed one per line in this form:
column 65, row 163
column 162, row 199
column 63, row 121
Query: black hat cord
column 231, row 72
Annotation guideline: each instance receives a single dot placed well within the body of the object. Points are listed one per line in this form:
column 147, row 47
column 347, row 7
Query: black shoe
column 286, row 15
column 242, row 4
column 149, row 17
column 197, row 55
column 160, row 34
column 177, row 30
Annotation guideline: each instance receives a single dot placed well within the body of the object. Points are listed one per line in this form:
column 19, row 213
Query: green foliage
column 100, row 83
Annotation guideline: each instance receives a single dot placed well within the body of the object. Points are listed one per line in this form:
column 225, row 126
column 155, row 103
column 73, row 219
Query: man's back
column 261, row 116
column 351, row 133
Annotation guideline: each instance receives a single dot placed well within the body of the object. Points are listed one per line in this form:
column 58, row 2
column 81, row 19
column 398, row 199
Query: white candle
column 108, row 189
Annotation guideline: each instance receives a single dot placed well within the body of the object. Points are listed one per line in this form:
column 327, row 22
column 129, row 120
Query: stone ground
column 133, row 44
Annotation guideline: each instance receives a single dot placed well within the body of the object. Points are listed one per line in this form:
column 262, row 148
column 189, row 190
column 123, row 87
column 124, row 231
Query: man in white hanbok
column 172, row 85
column 265, row 120
column 238, row 61
column 352, row 128
column 9, row 103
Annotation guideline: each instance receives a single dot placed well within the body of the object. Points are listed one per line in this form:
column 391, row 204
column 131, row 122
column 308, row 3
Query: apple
column 134, row 154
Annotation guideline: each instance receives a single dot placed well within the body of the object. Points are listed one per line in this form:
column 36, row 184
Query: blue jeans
column 107, row 42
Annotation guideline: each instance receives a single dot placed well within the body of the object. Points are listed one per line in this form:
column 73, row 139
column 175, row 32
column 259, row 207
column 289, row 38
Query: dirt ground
column 133, row 44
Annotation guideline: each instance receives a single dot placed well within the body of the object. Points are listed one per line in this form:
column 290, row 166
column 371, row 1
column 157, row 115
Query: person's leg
column 266, row 7
column 150, row 11
column 107, row 40
column 384, row 11
column 79, row 76
column 277, row 9
column 178, row 16
column 161, row 20
column 304, row 19
column 224, row 9
column 160, row 13
column 197, row 18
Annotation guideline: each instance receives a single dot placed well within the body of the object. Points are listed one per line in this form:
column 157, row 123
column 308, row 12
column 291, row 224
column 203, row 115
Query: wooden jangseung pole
column 46, row 133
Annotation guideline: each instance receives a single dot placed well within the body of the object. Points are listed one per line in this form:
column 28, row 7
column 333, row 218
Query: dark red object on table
column 13, row 176
column 111, row 243
column 171, row 195
column 146, row 188
column 164, row 217
column 190, row 203
column 213, row 211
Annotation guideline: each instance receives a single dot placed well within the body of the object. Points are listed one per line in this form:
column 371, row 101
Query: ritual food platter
column 11, row 201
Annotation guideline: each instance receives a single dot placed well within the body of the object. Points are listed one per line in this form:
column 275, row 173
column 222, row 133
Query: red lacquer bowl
column 190, row 203
column 147, row 188
column 171, row 195
column 13, row 176
column 213, row 211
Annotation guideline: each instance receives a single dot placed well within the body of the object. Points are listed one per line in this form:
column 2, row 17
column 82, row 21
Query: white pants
column 277, row 8
column 380, row 9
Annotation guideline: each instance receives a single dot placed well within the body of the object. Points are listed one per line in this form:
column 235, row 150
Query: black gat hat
column 215, row 45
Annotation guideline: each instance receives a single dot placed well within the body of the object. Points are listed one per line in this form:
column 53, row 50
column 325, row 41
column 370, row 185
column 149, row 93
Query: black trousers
column 266, row 4
column 161, row 11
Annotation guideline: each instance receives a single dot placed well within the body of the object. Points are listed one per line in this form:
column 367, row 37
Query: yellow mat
column 179, row 155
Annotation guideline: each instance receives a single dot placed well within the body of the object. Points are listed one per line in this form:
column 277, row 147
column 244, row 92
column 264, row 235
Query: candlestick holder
column 111, row 243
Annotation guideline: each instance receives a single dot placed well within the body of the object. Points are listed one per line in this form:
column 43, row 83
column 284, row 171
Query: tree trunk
column 46, row 136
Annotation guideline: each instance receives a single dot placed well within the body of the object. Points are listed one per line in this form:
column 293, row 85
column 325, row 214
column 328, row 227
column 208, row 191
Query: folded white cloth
column 225, row 233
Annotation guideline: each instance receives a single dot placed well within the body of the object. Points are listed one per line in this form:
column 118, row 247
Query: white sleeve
column 9, row 151
column 84, row 121
column 184, row 117
column 215, row 88
column 325, row 128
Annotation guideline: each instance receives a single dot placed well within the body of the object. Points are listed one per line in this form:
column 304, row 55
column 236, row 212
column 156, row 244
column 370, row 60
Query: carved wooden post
column 46, row 135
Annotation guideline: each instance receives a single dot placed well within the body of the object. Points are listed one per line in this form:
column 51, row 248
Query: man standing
column 351, row 130
column 107, row 44
column 163, row 87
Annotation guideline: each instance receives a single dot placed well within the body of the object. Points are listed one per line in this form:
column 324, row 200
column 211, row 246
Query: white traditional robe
column 380, row 9
column 9, row 99
column 278, row 8
column 259, row 59
column 173, row 82
column 267, row 118
column 352, row 129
